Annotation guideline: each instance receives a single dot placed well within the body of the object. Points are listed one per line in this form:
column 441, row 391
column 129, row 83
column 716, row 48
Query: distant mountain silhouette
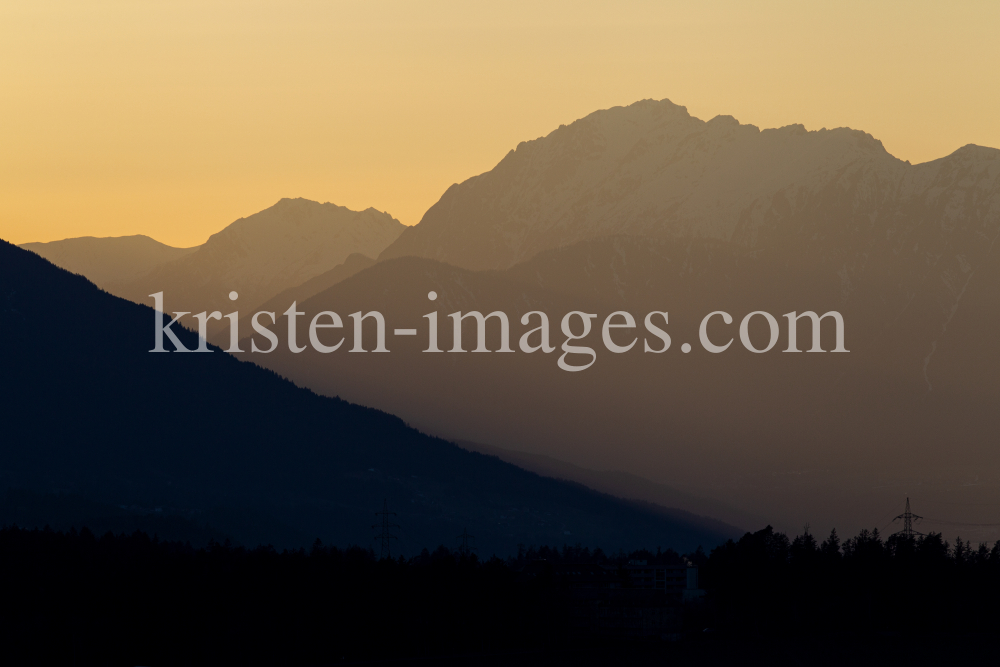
column 646, row 208
column 108, row 262
column 281, row 302
column 650, row 169
column 88, row 411
column 258, row 257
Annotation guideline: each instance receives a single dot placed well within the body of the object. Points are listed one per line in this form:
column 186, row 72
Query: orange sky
column 173, row 119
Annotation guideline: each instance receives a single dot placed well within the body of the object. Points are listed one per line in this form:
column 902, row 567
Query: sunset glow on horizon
column 173, row 120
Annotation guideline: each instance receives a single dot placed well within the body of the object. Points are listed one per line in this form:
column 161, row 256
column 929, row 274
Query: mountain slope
column 823, row 220
column 649, row 169
column 299, row 293
column 353, row 264
column 807, row 438
column 696, row 422
column 87, row 410
column 262, row 255
column 108, row 262
column 618, row 483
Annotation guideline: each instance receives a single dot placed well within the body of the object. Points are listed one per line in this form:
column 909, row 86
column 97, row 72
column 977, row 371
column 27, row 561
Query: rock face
column 108, row 262
column 262, row 255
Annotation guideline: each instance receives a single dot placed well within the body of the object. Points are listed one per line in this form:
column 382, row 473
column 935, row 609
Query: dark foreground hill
column 89, row 413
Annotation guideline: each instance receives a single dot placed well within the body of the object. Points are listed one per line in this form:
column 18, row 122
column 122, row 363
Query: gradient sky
column 173, row 119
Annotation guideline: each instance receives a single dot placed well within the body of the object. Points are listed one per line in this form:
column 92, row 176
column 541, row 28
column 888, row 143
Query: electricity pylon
column 465, row 550
column 908, row 518
column 386, row 526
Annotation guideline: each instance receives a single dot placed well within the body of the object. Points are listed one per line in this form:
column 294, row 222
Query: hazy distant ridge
column 259, row 256
column 109, row 262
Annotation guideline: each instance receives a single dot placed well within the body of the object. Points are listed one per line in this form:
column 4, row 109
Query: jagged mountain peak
column 648, row 169
column 303, row 213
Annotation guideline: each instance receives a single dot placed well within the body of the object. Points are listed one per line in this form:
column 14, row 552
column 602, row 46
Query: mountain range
column 616, row 212
column 279, row 248
column 652, row 170
column 90, row 413
column 644, row 208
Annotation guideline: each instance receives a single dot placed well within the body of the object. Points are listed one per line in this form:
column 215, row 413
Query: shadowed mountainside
column 806, row 438
column 87, row 410
column 617, row 483
column 688, row 421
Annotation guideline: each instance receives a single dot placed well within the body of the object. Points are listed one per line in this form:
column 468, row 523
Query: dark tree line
column 769, row 584
column 75, row 598
column 582, row 554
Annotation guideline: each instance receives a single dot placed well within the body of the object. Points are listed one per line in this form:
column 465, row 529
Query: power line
column 887, row 514
column 959, row 523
